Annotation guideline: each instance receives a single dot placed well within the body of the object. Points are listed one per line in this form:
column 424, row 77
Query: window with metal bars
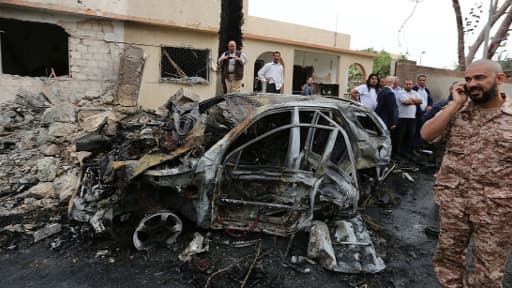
column 185, row 65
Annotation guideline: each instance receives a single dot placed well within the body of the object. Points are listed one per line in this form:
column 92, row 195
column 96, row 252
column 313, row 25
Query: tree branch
column 500, row 35
column 460, row 35
column 478, row 42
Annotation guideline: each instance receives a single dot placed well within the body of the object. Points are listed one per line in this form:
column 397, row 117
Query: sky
column 428, row 36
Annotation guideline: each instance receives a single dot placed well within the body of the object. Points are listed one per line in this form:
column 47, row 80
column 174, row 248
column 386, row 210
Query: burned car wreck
column 240, row 162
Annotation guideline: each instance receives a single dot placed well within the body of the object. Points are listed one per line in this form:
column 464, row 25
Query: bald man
column 473, row 187
column 386, row 104
column 232, row 64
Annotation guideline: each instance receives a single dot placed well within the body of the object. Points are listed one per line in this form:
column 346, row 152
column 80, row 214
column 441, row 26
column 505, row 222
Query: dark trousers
column 418, row 142
column 271, row 88
column 405, row 135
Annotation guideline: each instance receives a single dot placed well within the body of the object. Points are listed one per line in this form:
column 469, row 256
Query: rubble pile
column 39, row 166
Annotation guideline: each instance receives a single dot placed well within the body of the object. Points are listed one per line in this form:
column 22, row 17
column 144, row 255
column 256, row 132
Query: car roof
column 271, row 101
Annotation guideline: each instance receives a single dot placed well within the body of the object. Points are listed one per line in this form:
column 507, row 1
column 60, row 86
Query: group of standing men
column 232, row 63
column 401, row 109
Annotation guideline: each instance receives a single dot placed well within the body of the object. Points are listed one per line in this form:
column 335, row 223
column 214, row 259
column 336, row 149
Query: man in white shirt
column 407, row 100
column 368, row 92
column 272, row 73
column 426, row 105
column 397, row 89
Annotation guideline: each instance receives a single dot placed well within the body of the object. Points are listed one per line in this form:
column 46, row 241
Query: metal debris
column 320, row 247
column 407, row 176
column 352, row 250
column 198, row 245
column 301, row 259
column 162, row 227
column 47, row 231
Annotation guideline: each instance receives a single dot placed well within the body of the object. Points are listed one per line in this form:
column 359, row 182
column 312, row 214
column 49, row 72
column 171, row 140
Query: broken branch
column 223, row 270
column 258, row 252
column 178, row 69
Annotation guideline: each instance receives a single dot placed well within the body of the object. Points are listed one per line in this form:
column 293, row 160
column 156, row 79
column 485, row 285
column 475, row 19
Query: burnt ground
column 73, row 258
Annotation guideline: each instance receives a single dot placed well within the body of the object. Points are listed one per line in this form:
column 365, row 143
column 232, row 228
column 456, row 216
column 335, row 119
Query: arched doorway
column 356, row 76
column 264, row 58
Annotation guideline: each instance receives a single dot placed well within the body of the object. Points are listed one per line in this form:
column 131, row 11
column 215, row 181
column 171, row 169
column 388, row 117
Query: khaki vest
column 239, row 68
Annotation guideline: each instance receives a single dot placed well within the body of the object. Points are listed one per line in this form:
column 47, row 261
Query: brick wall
column 438, row 80
column 95, row 50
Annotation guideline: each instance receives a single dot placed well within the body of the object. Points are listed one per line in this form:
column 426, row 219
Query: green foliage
column 382, row 64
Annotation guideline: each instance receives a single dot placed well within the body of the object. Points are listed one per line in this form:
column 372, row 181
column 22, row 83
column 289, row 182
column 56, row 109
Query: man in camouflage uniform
column 473, row 187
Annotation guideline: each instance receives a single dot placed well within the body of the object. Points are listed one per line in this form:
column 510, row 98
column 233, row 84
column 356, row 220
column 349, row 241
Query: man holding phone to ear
column 473, row 187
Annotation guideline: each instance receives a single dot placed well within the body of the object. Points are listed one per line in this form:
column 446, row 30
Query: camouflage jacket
column 478, row 152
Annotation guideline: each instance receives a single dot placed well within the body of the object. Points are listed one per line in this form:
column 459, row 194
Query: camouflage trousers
column 484, row 220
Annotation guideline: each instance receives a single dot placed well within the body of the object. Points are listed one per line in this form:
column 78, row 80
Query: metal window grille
column 184, row 63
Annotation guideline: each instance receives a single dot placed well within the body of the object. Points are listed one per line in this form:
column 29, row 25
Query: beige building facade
column 96, row 32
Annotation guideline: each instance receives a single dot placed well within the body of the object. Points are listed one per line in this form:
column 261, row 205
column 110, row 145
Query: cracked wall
column 94, row 46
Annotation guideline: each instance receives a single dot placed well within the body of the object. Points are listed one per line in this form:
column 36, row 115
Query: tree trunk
column 473, row 49
column 460, row 35
column 500, row 36
column 231, row 21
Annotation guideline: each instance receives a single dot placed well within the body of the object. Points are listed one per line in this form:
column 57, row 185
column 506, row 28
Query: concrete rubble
column 39, row 168
column 39, row 165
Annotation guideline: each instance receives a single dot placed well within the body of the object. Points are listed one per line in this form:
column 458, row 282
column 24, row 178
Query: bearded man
column 473, row 187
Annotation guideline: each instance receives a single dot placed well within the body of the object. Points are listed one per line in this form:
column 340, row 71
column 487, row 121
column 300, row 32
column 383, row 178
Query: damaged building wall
column 184, row 13
column 94, row 57
column 154, row 90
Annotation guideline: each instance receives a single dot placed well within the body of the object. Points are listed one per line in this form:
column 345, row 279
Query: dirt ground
column 74, row 258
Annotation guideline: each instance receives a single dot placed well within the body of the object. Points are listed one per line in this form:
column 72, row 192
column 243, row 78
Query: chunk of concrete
column 47, row 231
column 50, row 150
column 41, row 190
column 130, row 75
column 95, row 122
column 47, row 169
column 320, row 245
column 65, row 186
column 184, row 96
column 62, row 112
column 61, row 130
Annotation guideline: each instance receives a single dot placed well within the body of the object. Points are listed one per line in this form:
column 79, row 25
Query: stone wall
column 95, row 48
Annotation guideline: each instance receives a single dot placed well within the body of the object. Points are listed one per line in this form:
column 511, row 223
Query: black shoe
column 432, row 231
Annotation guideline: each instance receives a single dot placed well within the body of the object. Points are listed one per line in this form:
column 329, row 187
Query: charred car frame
column 242, row 162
